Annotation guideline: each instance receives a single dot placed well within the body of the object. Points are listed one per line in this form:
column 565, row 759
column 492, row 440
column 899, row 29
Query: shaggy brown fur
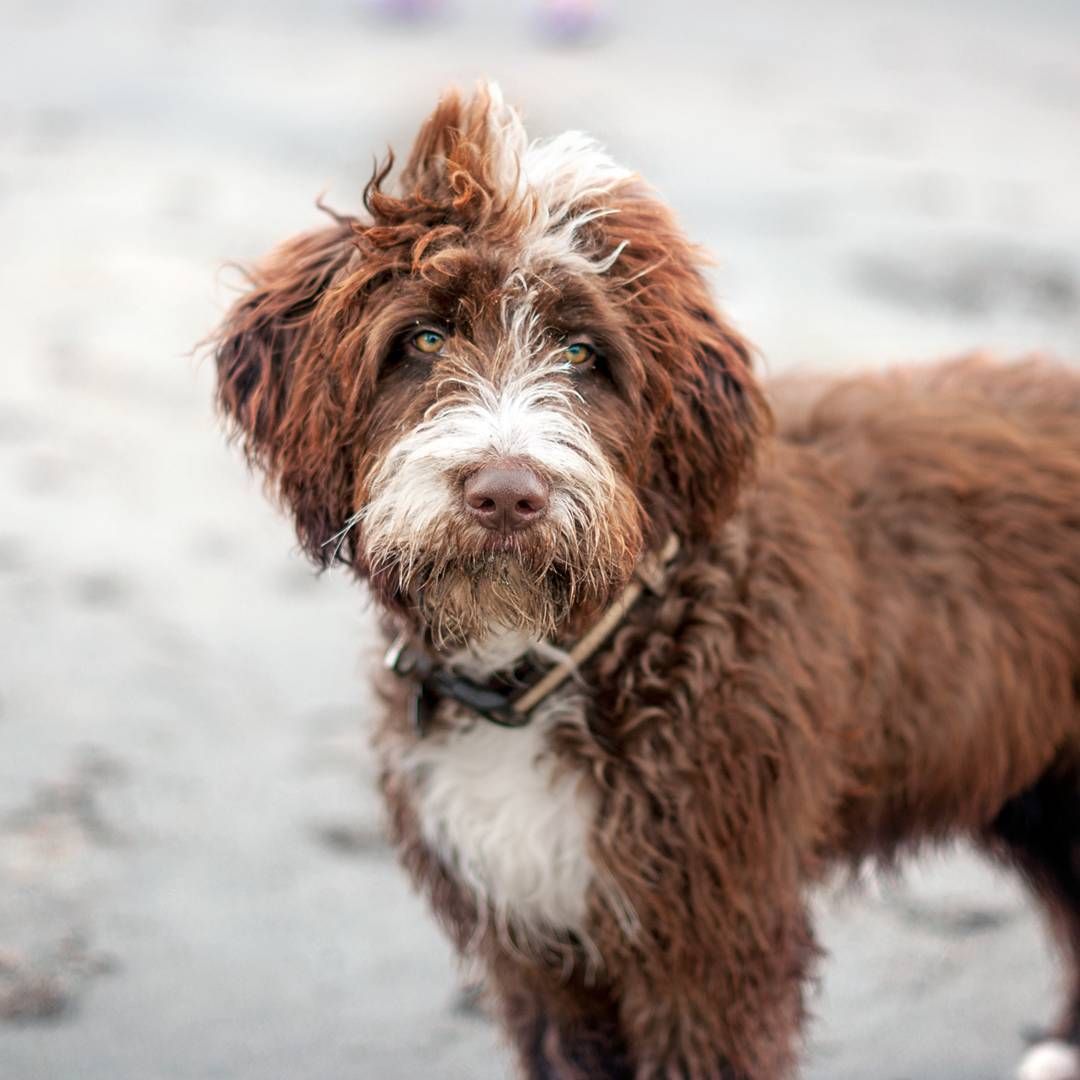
column 870, row 638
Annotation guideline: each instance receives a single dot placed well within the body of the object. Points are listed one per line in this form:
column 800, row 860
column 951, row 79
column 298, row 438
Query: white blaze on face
column 524, row 412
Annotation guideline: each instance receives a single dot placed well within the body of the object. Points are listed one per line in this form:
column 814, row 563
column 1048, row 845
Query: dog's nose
column 506, row 497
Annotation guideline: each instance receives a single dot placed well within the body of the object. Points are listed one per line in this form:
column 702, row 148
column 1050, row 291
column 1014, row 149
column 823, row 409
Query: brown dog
column 658, row 667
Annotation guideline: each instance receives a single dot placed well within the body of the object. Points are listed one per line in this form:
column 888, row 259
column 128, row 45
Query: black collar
column 493, row 699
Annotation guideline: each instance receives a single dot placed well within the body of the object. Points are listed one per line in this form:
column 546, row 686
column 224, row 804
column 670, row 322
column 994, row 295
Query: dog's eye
column 428, row 341
column 578, row 353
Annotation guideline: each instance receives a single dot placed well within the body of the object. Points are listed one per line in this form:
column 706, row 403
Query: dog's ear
column 709, row 412
column 263, row 335
column 267, row 351
column 708, row 438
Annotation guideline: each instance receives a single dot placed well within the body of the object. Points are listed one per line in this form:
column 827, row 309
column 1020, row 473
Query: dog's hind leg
column 1039, row 832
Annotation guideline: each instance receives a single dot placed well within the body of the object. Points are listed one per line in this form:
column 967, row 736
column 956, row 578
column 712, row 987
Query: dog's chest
column 509, row 819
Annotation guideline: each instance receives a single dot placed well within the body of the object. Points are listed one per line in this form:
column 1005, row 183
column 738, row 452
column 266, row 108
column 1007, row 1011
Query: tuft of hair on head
column 474, row 168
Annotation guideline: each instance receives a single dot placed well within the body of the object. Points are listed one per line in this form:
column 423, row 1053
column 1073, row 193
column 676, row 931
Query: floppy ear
column 265, row 331
column 710, row 414
column 709, row 435
column 267, row 351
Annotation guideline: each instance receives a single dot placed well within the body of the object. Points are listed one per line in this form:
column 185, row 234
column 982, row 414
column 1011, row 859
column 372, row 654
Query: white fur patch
column 1050, row 1060
column 514, row 827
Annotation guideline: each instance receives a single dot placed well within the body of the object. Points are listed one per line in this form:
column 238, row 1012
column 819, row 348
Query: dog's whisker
column 342, row 535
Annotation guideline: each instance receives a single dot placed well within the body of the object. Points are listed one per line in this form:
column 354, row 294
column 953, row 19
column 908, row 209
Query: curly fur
column 870, row 639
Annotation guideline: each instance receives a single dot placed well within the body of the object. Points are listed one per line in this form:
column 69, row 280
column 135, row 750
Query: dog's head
column 489, row 396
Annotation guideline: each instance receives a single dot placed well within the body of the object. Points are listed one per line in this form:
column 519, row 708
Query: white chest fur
column 494, row 804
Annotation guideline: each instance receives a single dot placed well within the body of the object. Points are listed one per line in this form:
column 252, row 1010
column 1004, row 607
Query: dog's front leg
column 710, row 979
column 709, row 1025
column 562, row 1029
column 730, row 1011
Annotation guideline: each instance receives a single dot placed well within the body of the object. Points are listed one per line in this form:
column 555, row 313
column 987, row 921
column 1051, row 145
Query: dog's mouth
column 518, row 581
column 500, row 545
column 525, row 546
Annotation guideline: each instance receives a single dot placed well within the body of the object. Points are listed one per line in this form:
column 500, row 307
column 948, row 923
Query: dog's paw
column 1050, row 1060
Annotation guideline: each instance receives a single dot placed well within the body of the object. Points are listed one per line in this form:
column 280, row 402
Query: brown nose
column 506, row 497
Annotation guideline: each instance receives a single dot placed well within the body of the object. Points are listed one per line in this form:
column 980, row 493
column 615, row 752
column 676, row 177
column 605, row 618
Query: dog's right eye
column 579, row 353
column 430, row 342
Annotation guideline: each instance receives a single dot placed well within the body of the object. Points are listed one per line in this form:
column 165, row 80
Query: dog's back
column 959, row 486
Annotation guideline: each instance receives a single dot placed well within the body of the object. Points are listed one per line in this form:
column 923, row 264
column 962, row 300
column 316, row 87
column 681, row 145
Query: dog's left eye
column 429, row 341
column 578, row 353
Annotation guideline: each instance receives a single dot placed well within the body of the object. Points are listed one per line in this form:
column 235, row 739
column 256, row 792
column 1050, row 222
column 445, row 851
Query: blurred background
column 192, row 878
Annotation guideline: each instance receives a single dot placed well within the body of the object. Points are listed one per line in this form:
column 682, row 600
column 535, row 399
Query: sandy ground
column 192, row 880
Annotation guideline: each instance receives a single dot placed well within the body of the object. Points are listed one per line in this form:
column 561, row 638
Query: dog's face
column 492, row 395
